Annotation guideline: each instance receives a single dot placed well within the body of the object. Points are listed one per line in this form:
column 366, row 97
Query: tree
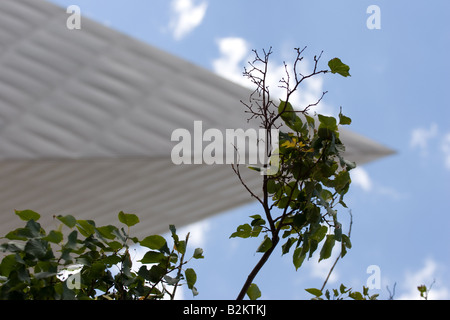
column 300, row 201
column 91, row 262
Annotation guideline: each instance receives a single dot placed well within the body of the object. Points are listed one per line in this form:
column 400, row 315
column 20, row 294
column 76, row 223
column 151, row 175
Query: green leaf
column 7, row 265
column 265, row 245
column 254, row 168
column 72, row 240
column 356, row 295
column 283, row 202
column 36, row 248
column 342, row 181
column 346, row 241
column 155, row 242
column 327, row 247
column 287, row 245
column 31, row 230
column 272, row 186
column 128, row 219
column 115, row 245
column 68, row 220
column 180, row 246
column 155, row 273
column 338, row 231
column 198, row 253
column 313, row 244
column 107, row 232
column 171, row 281
column 242, row 231
column 326, row 195
column 343, row 289
column 320, row 233
column 257, row 220
column 112, row 260
column 298, row 257
column 310, row 120
column 337, row 66
column 314, row 292
column 173, row 231
column 28, row 215
column 152, row 257
column 54, row 236
column 18, row 234
column 343, row 250
column 287, row 113
column 191, row 277
column 299, row 220
column 86, row 227
column 253, row 292
column 13, row 246
column 343, row 120
column 365, row 291
column 327, row 122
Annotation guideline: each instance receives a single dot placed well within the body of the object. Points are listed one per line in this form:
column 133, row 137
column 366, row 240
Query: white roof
column 86, row 118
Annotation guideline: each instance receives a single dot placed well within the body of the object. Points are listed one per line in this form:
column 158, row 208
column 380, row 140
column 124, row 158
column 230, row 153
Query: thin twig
column 391, row 295
column 339, row 256
column 261, row 107
column 172, row 296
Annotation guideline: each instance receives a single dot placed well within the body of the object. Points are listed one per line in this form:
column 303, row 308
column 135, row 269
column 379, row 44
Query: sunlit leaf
column 337, row 66
column 327, row 247
column 128, row 219
column 153, row 242
column 314, row 292
column 253, row 292
column 191, row 277
column 28, row 215
column 265, row 245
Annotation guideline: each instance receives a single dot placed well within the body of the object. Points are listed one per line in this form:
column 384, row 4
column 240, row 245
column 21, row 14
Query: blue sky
column 396, row 96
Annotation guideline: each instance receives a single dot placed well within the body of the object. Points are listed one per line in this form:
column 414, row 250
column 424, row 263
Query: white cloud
column 197, row 233
column 235, row 53
column 361, row 178
column 393, row 193
column 230, row 64
column 425, row 276
column 445, row 147
column 186, row 16
column 420, row 137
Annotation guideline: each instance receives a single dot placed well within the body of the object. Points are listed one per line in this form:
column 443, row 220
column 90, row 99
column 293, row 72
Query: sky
column 396, row 95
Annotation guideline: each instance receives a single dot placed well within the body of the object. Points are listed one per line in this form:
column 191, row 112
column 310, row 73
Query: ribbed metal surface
column 86, row 118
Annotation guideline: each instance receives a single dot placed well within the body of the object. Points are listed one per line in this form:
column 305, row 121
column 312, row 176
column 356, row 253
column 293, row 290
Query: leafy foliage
column 300, row 200
column 342, row 294
column 424, row 290
column 81, row 261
